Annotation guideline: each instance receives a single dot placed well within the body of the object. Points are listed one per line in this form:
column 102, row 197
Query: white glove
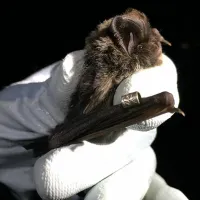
column 28, row 109
column 59, row 178
column 33, row 106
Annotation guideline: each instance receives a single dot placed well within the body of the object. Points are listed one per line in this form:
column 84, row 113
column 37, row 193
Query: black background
column 34, row 35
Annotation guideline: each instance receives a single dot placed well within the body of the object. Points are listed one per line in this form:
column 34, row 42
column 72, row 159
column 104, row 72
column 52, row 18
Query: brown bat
column 117, row 48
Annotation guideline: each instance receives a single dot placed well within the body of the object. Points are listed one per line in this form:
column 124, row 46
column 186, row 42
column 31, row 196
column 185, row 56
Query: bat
column 117, row 48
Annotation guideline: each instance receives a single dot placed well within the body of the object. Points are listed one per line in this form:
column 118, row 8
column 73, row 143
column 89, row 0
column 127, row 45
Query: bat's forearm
column 132, row 110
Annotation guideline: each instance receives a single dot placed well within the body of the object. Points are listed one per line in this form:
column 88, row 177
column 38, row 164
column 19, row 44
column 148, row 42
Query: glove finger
column 130, row 182
column 160, row 190
column 64, row 80
column 150, row 82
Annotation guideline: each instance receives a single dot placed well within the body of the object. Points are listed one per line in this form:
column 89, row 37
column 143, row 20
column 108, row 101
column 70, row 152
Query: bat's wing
column 133, row 109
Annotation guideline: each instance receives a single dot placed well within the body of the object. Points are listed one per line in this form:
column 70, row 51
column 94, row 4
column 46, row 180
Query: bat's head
column 127, row 41
column 119, row 47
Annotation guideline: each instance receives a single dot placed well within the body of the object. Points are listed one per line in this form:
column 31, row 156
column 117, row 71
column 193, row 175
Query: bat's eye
column 140, row 47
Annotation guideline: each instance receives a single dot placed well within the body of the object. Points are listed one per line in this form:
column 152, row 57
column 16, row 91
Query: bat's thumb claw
column 178, row 110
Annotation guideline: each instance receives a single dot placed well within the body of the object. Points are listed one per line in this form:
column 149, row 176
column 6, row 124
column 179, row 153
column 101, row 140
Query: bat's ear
column 126, row 33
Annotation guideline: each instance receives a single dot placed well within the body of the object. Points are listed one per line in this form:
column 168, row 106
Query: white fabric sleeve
column 30, row 109
column 66, row 171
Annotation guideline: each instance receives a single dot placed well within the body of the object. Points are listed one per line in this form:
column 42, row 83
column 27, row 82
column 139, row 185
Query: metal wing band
column 131, row 99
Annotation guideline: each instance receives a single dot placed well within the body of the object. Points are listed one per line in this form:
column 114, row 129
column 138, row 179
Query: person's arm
column 35, row 107
column 28, row 109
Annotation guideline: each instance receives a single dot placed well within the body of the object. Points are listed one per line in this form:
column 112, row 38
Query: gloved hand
column 130, row 159
column 28, row 109
column 31, row 107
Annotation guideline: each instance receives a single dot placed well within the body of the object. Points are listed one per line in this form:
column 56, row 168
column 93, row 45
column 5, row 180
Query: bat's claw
column 178, row 110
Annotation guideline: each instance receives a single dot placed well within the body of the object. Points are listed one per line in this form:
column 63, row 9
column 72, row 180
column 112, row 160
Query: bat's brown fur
column 108, row 61
column 118, row 47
